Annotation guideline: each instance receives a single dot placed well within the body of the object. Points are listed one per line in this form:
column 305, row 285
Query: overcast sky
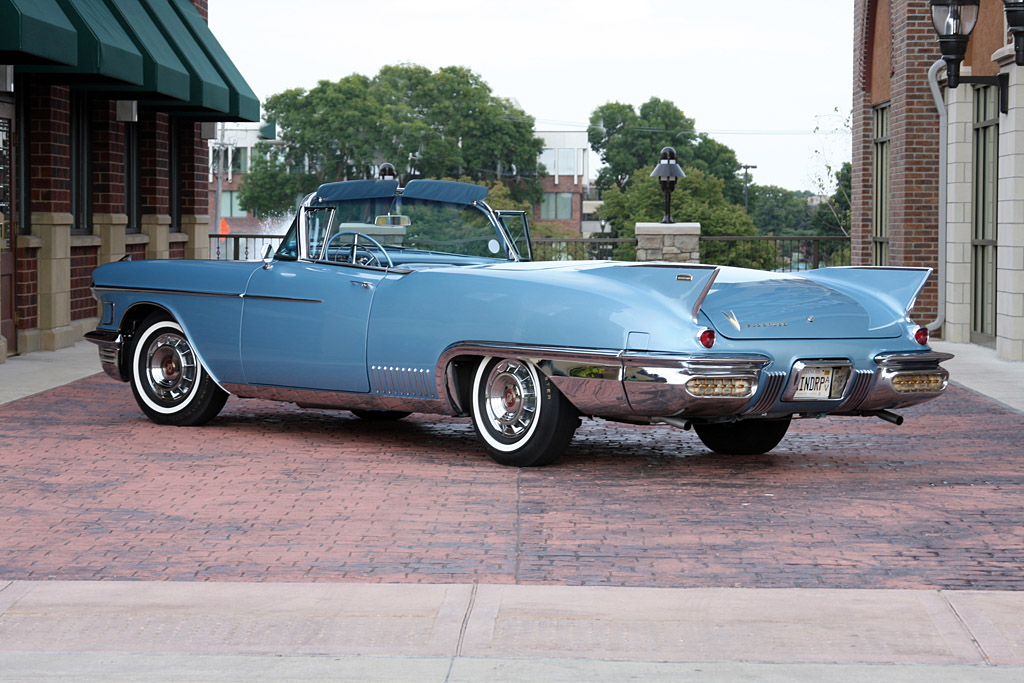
column 758, row 77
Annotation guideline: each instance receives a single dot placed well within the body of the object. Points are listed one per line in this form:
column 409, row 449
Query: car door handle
column 362, row 283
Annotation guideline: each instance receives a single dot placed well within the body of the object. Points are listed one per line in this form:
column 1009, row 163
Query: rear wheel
column 522, row 418
column 747, row 437
column 169, row 382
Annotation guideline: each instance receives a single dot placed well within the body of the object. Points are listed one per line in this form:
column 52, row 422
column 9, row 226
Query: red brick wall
column 50, row 147
column 136, row 251
column 177, row 250
column 914, row 146
column 27, row 299
column 84, row 260
column 193, row 168
column 108, row 181
column 203, row 7
column 154, row 162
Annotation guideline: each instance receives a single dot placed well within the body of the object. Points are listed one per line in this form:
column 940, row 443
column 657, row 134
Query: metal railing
column 783, row 253
column 241, row 247
column 579, row 248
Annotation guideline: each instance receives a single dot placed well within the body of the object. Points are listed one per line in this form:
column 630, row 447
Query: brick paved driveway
column 89, row 489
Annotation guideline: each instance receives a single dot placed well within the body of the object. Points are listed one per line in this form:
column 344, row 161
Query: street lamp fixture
column 667, row 171
column 954, row 20
column 387, row 172
column 1015, row 21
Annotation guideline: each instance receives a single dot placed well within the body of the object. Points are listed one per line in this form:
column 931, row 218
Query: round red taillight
column 707, row 338
column 921, row 335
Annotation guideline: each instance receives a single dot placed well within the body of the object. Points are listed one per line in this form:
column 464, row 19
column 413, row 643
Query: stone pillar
column 157, row 227
column 54, row 229
column 198, row 230
column 111, row 230
column 959, row 209
column 676, row 242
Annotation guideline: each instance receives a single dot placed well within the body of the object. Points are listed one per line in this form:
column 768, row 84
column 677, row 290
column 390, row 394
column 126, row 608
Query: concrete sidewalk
column 175, row 631
column 374, row 632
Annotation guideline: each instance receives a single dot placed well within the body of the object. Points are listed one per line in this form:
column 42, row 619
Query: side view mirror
column 268, row 256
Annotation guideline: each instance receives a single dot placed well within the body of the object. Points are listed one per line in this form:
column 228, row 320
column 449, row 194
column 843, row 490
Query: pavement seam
column 963, row 623
column 462, row 631
column 519, row 522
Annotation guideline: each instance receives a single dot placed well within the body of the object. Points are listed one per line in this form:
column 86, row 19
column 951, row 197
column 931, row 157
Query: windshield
column 401, row 224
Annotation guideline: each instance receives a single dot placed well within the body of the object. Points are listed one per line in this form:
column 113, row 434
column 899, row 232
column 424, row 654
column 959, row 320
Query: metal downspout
column 940, row 105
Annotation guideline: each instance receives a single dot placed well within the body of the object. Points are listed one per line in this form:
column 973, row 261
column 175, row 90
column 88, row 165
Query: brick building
column 938, row 173
column 105, row 107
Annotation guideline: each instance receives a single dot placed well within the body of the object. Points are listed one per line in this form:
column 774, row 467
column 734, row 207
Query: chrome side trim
column 773, row 384
column 704, row 294
column 612, row 383
column 109, row 343
column 394, row 381
column 222, row 295
column 339, row 399
column 861, row 385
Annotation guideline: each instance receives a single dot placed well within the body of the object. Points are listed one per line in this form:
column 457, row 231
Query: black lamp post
column 1015, row 21
column 667, row 171
column 954, row 20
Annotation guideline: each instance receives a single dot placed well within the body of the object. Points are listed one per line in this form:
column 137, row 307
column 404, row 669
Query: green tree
column 778, row 211
column 627, row 139
column 699, row 197
column 833, row 215
column 270, row 188
column 442, row 124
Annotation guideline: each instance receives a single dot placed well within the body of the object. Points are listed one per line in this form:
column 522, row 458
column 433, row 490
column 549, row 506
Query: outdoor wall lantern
column 954, row 20
column 387, row 172
column 667, row 171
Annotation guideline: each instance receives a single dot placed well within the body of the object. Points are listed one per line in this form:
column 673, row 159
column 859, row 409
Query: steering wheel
column 370, row 259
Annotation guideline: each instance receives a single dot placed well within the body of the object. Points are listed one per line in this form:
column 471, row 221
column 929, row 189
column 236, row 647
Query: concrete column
column 111, row 230
column 959, row 202
column 197, row 227
column 677, row 242
column 1010, row 226
column 157, row 227
column 54, row 229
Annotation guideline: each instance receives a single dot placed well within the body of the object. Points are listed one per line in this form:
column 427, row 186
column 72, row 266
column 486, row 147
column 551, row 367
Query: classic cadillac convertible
column 453, row 317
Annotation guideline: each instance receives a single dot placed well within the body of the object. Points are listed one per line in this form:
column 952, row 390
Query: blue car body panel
column 620, row 340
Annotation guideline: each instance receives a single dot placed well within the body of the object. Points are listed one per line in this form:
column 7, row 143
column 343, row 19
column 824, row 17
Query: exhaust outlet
column 888, row 416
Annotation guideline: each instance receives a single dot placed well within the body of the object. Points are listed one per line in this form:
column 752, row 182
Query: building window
column 81, row 166
column 547, row 160
column 556, row 206
column 229, row 206
column 239, row 160
column 566, row 161
column 880, row 187
column 983, row 220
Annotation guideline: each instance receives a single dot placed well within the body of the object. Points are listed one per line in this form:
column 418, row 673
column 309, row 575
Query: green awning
column 36, row 32
column 163, row 73
column 244, row 105
column 208, row 93
column 105, row 52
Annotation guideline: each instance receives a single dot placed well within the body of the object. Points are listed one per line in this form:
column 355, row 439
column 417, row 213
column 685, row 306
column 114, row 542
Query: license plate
column 814, row 383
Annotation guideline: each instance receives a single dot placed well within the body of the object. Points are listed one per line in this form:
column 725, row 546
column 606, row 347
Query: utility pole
column 746, row 182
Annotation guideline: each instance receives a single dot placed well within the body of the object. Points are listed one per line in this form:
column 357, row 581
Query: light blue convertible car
column 453, row 317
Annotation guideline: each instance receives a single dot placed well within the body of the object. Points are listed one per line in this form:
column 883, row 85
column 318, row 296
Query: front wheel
column 522, row 418
column 747, row 437
column 170, row 385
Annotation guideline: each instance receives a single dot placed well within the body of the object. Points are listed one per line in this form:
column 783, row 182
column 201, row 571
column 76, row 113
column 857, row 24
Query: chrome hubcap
column 171, row 368
column 510, row 400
